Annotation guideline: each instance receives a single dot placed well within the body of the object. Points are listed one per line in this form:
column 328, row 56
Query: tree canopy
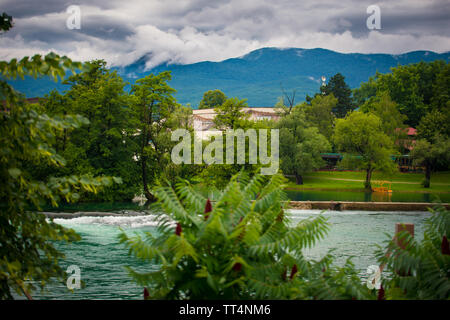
column 319, row 113
column 212, row 99
column 300, row 145
column 27, row 138
column 342, row 92
column 417, row 88
column 383, row 107
column 231, row 113
column 360, row 136
column 106, row 145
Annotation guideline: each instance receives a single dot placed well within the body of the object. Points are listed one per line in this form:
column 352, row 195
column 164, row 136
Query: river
column 102, row 259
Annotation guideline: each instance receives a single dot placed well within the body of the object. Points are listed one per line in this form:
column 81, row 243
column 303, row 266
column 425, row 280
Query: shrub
column 419, row 270
column 242, row 246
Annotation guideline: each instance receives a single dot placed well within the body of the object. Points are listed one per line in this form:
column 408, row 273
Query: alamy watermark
column 74, row 280
column 74, row 20
column 374, row 20
column 213, row 153
column 374, row 277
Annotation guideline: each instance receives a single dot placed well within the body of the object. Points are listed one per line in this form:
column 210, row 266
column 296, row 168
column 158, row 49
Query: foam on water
column 125, row 221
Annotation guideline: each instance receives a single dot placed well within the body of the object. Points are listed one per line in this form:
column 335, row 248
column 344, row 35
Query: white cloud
column 188, row 31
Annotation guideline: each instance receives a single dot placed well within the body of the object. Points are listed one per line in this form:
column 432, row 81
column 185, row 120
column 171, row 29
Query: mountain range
column 259, row 76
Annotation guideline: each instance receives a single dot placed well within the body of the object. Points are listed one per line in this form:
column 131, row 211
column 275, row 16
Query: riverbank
column 363, row 206
column 354, row 181
column 300, row 205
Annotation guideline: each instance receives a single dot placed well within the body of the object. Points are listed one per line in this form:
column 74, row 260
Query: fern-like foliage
column 245, row 247
column 419, row 270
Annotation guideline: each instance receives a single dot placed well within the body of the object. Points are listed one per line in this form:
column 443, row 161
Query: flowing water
column 102, row 259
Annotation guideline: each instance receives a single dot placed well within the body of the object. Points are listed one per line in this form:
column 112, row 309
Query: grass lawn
column 408, row 182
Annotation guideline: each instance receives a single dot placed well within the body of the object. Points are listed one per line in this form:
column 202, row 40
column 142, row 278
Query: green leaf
column 14, row 172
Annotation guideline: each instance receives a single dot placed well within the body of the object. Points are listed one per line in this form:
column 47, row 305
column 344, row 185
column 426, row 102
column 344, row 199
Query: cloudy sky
column 187, row 31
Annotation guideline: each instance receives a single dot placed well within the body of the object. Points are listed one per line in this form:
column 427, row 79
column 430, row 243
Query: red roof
column 409, row 131
column 412, row 131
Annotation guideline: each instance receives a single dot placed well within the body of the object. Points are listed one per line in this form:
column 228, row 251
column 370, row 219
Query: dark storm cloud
column 31, row 8
column 105, row 28
column 432, row 19
column 54, row 30
column 186, row 31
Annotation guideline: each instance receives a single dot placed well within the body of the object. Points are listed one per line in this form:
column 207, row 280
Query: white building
column 203, row 119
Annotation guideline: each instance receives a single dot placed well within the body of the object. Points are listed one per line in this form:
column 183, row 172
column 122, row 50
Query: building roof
column 412, row 131
column 409, row 131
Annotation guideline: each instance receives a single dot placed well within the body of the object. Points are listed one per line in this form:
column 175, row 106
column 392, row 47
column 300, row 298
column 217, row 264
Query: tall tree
column 288, row 99
column 431, row 155
column 6, row 22
column 319, row 113
column 384, row 108
column 300, row 145
column 27, row 251
column 337, row 86
column 152, row 105
column 432, row 150
column 212, row 99
column 105, row 146
column 433, row 124
column 417, row 88
column 441, row 89
column 361, row 136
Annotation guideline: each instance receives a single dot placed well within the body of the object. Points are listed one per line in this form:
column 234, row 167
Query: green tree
column 337, row 86
column 433, row 124
column 106, row 145
column 218, row 175
column 231, row 114
column 441, row 89
column 300, row 145
column 26, row 137
column 6, row 22
column 319, row 113
column 179, row 118
column 361, row 136
column 384, row 108
column 152, row 105
column 419, row 270
column 212, row 99
column 416, row 88
column 431, row 155
column 240, row 246
column 432, row 150
column 365, row 91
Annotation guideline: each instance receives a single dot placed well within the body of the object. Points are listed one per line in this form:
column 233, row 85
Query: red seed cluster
column 208, row 208
column 293, row 271
column 381, row 293
column 237, row 267
column 445, row 247
column 178, row 229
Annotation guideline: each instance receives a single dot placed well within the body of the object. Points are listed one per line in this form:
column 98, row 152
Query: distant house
column 34, row 100
column 406, row 143
column 203, row 119
column 408, row 140
column 27, row 100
